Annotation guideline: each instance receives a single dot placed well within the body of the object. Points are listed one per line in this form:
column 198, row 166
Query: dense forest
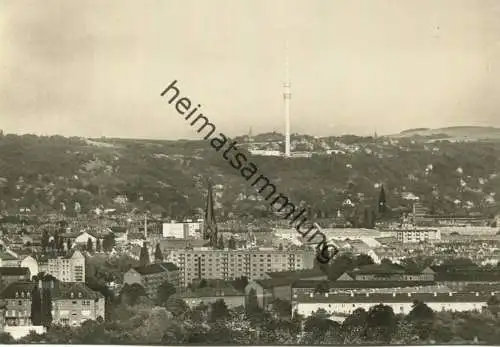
column 77, row 175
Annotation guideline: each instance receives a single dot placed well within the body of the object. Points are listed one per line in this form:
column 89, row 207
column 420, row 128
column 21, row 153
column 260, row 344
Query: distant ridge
column 413, row 130
column 453, row 133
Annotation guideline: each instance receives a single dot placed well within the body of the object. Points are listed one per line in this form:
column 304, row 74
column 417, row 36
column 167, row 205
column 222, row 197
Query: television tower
column 287, row 95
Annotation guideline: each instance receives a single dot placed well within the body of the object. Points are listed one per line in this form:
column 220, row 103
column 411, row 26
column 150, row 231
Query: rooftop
column 471, row 276
column 62, row 290
column 156, row 268
column 386, row 269
column 361, row 284
column 275, row 282
column 392, row 297
column 379, row 269
column 181, row 243
column 211, row 292
column 117, row 229
column 14, row 271
column 136, row 236
column 7, row 256
column 297, row 274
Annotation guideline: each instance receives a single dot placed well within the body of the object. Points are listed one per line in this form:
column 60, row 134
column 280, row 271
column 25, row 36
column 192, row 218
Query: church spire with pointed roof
column 209, row 224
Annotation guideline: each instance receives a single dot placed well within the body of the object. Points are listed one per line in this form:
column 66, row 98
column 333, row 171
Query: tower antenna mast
column 287, row 95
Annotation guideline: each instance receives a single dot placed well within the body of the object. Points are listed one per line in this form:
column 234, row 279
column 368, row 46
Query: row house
column 334, row 287
column 70, row 268
column 339, row 306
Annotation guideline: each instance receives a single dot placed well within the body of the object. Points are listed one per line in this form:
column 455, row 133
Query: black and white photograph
column 250, row 172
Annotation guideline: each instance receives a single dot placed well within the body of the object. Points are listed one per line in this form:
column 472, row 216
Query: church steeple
column 382, row 203
column 209, row 224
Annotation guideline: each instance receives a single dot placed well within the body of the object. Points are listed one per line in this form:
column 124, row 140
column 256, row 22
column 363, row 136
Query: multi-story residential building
column 72, row 303
column 10, row 275
column 70, row 268
column 75, row 303
column 342, row 305
column 418, row 235
column 419, row 214
column 152, row 276
column 208, row 263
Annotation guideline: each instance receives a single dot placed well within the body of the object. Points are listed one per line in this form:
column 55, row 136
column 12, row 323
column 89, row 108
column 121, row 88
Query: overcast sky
column 97, row 68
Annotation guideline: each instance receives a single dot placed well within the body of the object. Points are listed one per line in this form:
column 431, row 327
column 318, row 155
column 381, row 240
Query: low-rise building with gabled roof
column 9, row 259
column 209, row 295
column 312, row 274
column 152, row 276
column 10, row 275
column 386, row 272
column 339, row 306
column 278, row 285
column 271, row 289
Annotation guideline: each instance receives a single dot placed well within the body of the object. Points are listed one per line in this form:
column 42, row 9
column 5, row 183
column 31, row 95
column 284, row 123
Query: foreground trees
column 139, row 321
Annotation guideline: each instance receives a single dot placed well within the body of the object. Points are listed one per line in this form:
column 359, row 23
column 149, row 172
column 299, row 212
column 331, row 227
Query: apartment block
column 208, row 263
column 418, row 235
column 70, row 268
